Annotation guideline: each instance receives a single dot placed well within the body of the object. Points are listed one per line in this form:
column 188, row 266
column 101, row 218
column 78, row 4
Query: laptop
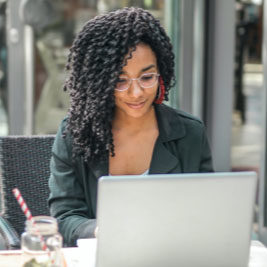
column 187, row 220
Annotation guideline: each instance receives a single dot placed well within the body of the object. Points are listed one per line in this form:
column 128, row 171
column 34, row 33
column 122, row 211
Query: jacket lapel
column 170, row 128
column 163, row 161
column 99, row 168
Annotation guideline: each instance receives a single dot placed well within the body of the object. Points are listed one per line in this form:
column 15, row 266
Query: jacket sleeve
column 67, row 198
column 206, row 164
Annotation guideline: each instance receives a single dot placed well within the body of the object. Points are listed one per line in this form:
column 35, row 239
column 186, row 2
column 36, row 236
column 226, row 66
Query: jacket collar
column 163, row 161
column 170, row 124
column 171, row 128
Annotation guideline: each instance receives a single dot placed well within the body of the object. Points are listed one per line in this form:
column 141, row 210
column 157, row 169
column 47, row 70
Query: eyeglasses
column 146, row 80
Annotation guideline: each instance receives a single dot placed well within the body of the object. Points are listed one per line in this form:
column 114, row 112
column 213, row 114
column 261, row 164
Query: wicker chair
column 24, row 163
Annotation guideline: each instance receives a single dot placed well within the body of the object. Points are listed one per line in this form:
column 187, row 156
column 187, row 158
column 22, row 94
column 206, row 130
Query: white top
column 145, row 173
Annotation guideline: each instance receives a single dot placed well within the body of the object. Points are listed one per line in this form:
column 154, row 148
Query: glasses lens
column 122, row 84
column 148, row 79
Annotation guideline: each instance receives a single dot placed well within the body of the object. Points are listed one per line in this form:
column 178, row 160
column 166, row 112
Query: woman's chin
column 136, row 111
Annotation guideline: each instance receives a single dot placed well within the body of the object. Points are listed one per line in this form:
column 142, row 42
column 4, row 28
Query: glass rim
column 138, row 80
column 43, row 223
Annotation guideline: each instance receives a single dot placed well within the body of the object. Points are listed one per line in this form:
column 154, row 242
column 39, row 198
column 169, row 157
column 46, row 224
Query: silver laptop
column 187, row 220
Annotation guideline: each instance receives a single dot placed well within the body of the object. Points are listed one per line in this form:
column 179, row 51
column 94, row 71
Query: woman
column 121, row 68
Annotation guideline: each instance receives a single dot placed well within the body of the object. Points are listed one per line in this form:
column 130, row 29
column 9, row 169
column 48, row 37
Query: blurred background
column 220, row 69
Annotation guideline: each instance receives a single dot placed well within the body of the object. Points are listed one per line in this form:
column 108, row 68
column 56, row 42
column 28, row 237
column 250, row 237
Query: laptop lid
column 170, row 220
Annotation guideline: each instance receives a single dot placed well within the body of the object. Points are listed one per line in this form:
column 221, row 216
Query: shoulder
column 62, row 130
column 179, row 113
column 175, row 124
column 178, row 118
column 63, row 140
column 63, row 124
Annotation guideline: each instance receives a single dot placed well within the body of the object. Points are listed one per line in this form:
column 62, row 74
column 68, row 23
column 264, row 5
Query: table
column 73, row 256
column 12, row 258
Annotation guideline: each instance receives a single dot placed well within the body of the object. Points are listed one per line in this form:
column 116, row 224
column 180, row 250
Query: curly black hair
column 95, row 62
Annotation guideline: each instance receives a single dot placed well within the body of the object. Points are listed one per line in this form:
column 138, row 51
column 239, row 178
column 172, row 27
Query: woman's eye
column 146, row 77
column 122, row 80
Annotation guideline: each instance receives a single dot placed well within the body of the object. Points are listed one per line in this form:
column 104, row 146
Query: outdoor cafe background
column 219, row 68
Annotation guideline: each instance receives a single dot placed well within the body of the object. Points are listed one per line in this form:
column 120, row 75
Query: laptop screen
column 175, row 220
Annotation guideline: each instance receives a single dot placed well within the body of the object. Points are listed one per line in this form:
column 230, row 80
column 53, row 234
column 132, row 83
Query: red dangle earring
column 161, row 92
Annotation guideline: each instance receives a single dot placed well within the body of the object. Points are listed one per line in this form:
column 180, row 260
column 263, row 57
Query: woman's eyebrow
column 144, row 69
column 149, row 67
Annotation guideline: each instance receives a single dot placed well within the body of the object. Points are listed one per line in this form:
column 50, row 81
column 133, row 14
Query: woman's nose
column 135, row 89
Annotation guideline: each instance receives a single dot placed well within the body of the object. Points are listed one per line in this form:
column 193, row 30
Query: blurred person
column 121, row 68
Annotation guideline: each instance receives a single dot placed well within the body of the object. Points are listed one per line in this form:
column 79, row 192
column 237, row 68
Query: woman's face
column 136, row 101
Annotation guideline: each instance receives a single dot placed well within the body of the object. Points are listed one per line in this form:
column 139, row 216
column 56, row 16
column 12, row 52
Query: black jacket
column 181, row 147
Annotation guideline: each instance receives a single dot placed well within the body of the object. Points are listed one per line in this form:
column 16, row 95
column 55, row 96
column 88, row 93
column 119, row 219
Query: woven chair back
column 24, row 163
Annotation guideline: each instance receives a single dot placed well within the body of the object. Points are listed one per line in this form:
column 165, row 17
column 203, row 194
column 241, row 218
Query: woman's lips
column 136, row 105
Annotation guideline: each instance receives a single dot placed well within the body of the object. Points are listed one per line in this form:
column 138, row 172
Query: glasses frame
column 138, row 80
